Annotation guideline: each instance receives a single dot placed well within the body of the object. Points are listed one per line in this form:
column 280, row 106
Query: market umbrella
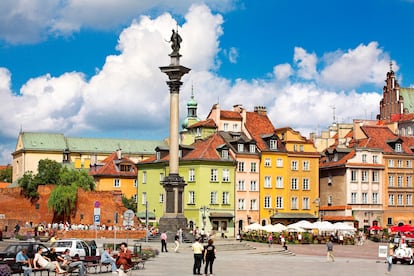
column 402, row 228
column 323, row 226
column 254, row 226
column 340, row 226
column 269, row 228
column 375, row 227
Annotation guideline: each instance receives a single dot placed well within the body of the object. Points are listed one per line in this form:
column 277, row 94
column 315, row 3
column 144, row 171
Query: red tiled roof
column 110, row 167
column 258, row 125
column 340, row 162
column 206, row 123
column 378, row 136
column 230, row 115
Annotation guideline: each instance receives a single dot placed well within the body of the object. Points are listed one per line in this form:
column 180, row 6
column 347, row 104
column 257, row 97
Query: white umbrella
column 253, row 226
column 279, row 227
column 304, row 224
column 294, row 228
column 323, row 226
column 340, row 226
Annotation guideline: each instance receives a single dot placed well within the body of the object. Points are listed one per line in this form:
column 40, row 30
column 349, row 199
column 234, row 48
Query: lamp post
column 204, row 210
column 272, row 212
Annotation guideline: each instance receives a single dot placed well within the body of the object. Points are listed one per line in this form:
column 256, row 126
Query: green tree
column 63, row 200
column 29, row 184
column 80, row 178
column 130, row 203
column 6, row 174
column 48, row 171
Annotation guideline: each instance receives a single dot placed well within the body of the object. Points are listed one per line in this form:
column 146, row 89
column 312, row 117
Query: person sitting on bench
column 44, row 262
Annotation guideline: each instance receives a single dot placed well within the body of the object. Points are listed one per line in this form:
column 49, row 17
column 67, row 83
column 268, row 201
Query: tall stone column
column 173, row 217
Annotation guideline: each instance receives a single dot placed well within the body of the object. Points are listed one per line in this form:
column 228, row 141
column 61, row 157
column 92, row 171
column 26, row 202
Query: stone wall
column 15, row 208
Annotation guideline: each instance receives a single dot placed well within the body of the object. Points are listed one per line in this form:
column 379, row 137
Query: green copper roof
column 58, row 142
column 408, row 94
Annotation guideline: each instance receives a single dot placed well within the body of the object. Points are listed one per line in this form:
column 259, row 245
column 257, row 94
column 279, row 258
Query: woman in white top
column 45, row 262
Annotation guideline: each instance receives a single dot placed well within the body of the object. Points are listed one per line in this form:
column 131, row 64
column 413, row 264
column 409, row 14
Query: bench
column 137, row 262
column 94, row 262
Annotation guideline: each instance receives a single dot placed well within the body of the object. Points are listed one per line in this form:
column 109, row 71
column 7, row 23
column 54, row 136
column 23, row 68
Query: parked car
column 78, row 248
column 12, row 249
column 403, row 254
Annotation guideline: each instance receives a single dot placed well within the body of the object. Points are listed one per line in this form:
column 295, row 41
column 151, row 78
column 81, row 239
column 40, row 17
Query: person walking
column 209, row 256
column 270, row 240
column 177, row 243
column 390, row 253
column 198, row 255
column 329, row 255
column 163, row 238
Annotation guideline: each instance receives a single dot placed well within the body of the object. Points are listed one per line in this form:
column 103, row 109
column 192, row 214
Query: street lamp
column 204, row 209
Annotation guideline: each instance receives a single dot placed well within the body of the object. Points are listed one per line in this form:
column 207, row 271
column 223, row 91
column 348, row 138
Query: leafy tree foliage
column 6, row 174
column 79, row 177
column 63, row 199
column 29, row 184
column 130, row 203
column 48, row 171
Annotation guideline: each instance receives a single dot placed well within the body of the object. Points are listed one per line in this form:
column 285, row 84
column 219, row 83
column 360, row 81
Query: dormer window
column 273, row 144
column 240, row 147
column 252, row 148
column 125, row 168
column 198, row 132
column 225, row 154
column 158, row 154
column 398, row 147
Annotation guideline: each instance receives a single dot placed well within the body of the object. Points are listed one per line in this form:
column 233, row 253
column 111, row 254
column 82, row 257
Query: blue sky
column 90, row 68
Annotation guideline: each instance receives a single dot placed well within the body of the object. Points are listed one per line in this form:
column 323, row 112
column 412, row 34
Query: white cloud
column 129, row 94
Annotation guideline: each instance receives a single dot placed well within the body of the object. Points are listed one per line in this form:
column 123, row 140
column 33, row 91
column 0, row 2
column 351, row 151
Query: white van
column 78, row 248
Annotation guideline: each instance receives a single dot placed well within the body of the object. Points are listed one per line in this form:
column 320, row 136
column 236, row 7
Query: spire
column 390, row 65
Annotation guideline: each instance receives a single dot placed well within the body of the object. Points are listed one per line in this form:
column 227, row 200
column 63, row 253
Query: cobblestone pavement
column 304, row 260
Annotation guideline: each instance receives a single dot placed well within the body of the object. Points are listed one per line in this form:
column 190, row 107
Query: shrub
column 5, row 270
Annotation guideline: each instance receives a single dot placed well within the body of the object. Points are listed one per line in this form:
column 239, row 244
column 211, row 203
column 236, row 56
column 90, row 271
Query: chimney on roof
column 261, row 110
column 238, row 108
column 119, row 153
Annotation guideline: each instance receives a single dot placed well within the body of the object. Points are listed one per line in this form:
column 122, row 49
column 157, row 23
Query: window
column 144, row 198
column 374, row 198
column 409, row 180
column 279, row 202
column 252, row 148
column 240, row 204
column 279, row 181
column 253, row 204
column 144, row 177
column 191, row 175
column 125, row 168
column 353, row 198
column 294, row 165
column 235, row 127
column 301, row 148
column 226, row 198
column 389, row 221
column 364, row 158
column 390, row 163
column 225, row 154
column 409, row 200
column 162, row 177
column 240, row 186
column 268, row 182
column 253, row 167
column 267, row 200
column 409, row 164
column 398, row 147
column 294, row 184
column 226, row 126
column 329, row 200
column 400, row 201
column 226, row 175
column 354, row 176
column 306, row 165
column 364, row 198
column 295, row 147
column 294, row 203
column 305, row 203
column 279, row 163
column 253, row 185
column 390, row 181
column 213, row 197
column 390, row 199
column 135, row 183
column 240, row 147
column 267, row 162
column 213, row 175
column 364, row 176
column 240, row 166
column 399, row 163
column 191, row 197
column 305, row 184
column 375, row 176
column 117, row 182
column 161, row 198
column 158, row 155
column 135, row 198
column 400, row 181
column 273, row 144
column 375, row 159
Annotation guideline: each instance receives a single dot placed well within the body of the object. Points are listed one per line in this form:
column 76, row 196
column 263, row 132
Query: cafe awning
column 142, row 215
column 225, row 215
